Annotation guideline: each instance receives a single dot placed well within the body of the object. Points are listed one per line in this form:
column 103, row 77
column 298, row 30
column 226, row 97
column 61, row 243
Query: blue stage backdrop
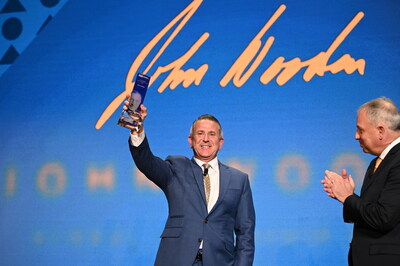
column 284, row 77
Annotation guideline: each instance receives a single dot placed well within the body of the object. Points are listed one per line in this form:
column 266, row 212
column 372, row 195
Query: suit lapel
column 370, row 176
column 198, row 176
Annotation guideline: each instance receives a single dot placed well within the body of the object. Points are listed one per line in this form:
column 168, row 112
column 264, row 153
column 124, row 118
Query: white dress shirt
column 388, row 148
column 213, row 173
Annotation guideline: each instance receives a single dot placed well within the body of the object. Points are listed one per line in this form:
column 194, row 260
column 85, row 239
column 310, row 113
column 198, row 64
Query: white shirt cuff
column 136, row 140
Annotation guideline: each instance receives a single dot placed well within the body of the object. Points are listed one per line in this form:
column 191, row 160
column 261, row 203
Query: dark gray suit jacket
column 376, row 214
column 189, row 222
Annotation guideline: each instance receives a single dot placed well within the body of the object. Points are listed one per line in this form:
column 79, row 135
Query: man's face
column 206, row 140
column 367, row 134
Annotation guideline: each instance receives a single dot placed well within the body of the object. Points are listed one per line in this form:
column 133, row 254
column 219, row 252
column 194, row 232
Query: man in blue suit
column 209, row 222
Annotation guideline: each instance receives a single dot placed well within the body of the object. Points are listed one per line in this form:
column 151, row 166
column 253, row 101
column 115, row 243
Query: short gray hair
column 383, row 110
column 207, row 117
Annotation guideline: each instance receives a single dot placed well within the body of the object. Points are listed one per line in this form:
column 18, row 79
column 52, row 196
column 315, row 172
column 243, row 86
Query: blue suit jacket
column 189, row 222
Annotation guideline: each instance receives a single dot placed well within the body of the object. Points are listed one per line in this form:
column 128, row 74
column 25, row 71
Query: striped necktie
column 206, row 180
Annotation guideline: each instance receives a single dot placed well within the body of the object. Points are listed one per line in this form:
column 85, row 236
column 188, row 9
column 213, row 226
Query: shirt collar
column 388, row 148
column 213, row 163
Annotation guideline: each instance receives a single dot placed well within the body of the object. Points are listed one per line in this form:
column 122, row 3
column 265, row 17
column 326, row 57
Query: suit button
column 199, row 239
column 205, row 221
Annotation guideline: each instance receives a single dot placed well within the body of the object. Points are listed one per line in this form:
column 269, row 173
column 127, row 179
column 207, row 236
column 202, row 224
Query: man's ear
column 382, row 131
column 190, row 141
column 221, row 142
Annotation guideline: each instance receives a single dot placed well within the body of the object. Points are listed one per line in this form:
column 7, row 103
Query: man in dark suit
column 211, row 217
column 376, row 212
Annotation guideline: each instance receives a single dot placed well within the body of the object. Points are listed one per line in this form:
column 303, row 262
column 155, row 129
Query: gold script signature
column 249, row 59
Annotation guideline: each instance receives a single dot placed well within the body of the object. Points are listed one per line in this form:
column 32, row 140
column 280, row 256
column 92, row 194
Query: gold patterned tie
column 206, row 180
column 377, row 163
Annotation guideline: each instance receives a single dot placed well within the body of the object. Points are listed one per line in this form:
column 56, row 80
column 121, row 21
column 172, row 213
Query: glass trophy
column 131, row 118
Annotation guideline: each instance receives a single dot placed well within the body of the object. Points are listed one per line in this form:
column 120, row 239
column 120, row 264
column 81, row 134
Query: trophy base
column 129, row 122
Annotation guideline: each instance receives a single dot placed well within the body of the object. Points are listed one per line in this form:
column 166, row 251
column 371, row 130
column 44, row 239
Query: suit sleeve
column 244, row 228
column 154, row 168
column 382, row 214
